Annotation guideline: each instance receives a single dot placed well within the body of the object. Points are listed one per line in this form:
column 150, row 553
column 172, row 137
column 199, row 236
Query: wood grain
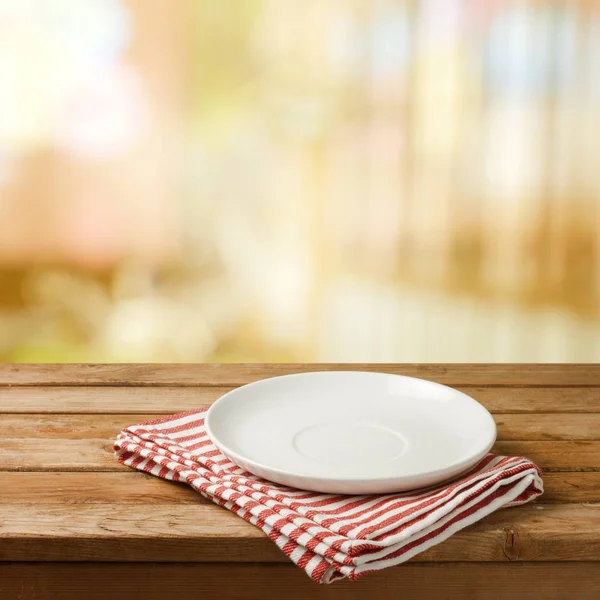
column 548, row 427
column 204, row 532
column 238, row 374
column 96, row 454
column 48, row 454
column 157, row 581
column 123, row 488
column 66, row 442
column 52, row 453
column 555, row 456
column 107, row 399
column 134, row 487
column 59, row 442
column 511, row 427
column 168, row 399
column 535, row 400
column 66, row 426
column 85, row 443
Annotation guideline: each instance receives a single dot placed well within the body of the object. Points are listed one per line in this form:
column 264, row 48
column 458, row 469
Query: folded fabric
column 329, row 536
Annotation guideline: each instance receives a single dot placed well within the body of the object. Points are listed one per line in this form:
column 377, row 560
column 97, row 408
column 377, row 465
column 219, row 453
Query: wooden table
column 76, row 524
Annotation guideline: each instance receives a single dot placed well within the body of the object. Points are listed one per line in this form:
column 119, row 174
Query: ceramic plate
column 351, row 432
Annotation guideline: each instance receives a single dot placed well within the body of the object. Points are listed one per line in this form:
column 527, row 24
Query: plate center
column 339, row 443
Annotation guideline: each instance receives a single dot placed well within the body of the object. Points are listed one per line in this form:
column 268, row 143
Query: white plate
column 351, row 432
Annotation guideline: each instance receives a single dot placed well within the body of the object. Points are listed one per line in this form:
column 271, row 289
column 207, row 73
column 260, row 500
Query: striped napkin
column 329, row 536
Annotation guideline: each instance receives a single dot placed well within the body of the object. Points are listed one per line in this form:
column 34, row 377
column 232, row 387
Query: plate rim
column 458, row 467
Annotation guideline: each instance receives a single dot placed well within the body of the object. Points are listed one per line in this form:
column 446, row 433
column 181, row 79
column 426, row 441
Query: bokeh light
column 276, row 180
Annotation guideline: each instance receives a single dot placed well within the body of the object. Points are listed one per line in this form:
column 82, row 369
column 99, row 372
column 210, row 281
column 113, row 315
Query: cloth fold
column 329, row 536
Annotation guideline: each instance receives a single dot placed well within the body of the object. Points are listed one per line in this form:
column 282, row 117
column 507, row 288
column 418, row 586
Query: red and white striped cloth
column 329, row 536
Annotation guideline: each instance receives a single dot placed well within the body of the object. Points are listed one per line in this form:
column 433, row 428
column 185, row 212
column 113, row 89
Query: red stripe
column 178, row 428
column 289, row 547
column 197, row 445
column 319, row 570
column 304, row 559
column 137, row 460
column 163, row 472
column 125, row 456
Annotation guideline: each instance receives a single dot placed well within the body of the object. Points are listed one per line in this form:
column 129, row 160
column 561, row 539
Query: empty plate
column 351, row 432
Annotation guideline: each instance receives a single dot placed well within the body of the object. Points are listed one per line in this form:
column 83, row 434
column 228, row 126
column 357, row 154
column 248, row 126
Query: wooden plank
column 85, row 442
column 134, row 487
column 451, row 581
column 65, row 426
column 203, row 532
column 48, row 454
column 537, row 399
column 95, row 454
column 101, row 399
column 123, row 488
column 511, row 427
column 566, row 487
column 166, row 400
column 237, row 374
column 548, row 427
column 60, row 442
column 555, row 456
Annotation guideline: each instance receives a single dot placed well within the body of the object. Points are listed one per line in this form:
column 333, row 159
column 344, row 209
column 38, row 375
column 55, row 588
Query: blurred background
column 299, row 180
